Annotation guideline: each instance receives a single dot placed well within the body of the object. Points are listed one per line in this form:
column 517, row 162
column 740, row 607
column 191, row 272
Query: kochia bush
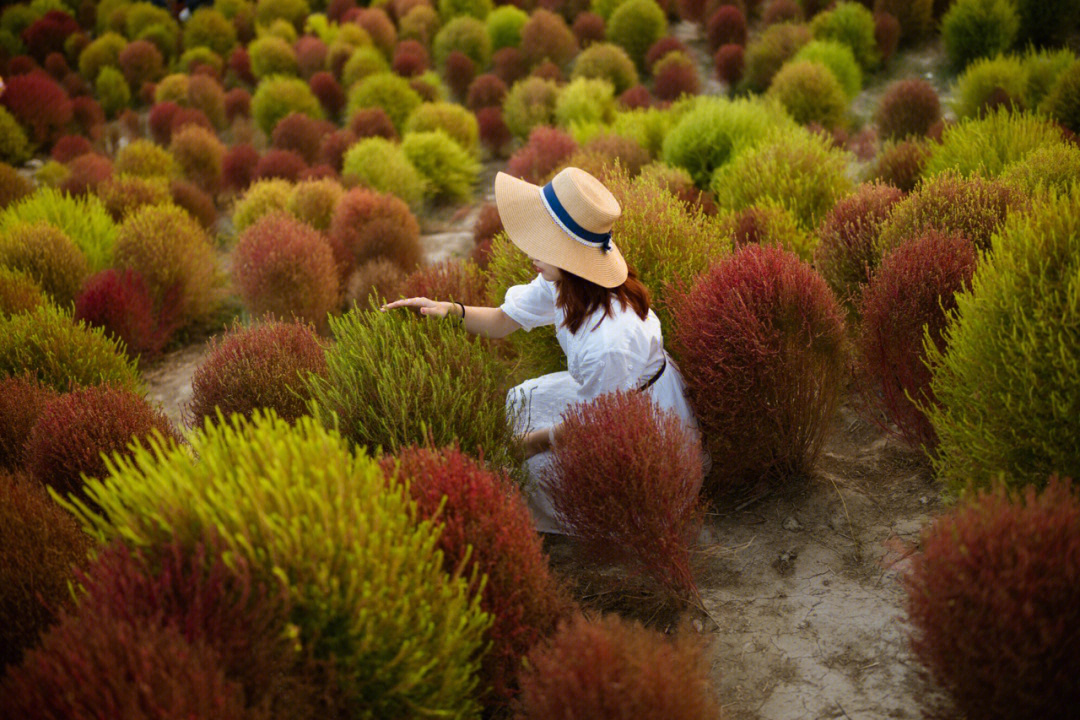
column 908, row 107
column 381, row 165
column 761, row 339
column 121, row 304
column 978, row 28
column 449, row 169
column 369, row 224
column 635, row 26
column 608, row 62
column 46, row 254
column 530, row 102
column 21, row 402
column 19, row 292
column 810, row 93
column 279, row 95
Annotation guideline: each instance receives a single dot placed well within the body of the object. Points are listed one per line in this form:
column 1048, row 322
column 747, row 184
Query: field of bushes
column 859, row 222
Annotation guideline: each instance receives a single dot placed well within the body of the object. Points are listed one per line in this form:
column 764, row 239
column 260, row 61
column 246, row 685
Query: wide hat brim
column 531, row 228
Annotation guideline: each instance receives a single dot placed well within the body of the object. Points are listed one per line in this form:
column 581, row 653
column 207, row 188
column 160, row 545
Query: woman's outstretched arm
column 486, row 322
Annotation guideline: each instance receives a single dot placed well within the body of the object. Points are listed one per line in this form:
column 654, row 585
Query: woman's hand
column 426, row 307
column 535, row 443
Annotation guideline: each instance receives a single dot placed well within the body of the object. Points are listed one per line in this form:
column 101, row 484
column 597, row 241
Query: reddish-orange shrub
column 88, row 117
column 901, row 164
column 199, row 154
column 548, row 70
column 56, row 65
column 238, row 166
column 39, row 544
column 726, row 26
column 240, row 65
column 120, row 302
column 262, row 366
column 545, row 36
column 637, row 96
column 370, row 224
column 70, row 147
column 886, row 34
column 908, row 107
column 141, row 62
column 22, row 398
column 762, row 342
column 631, row 156
column 615, row 668
column 509, row 64
column 198, row 203
column 39, row 104
column 75, row 429
column 729, row 63
column 546, row 148
column 88, row 171
column 284, row 164
column 778, row 11
column 660, row 48
column 311, row 55
column 48, row 33
column 675, row 75
column 459, row 71
column 625, row 481
column 379, row 27
column 847, row 251
column 189, row 116
column 410, row 58
column 237, row 104
column 488, row 224
column 301, row 134
column 909, row 298
column 336, row 9
column 285, row 268
column 332, row 148
column 460, row 280
column 205, row 93
column 13, row 185
column 588, row 28
column 160, row 121
column 486, row 90
column 21, row 65
column 378, row 277
column 493, row 131
column 679, row 183
column 486, row 522
column 88, row 667
column 994, row 598
column 372, row 122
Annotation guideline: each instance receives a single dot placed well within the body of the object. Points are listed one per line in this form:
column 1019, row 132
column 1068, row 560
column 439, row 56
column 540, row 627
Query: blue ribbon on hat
column 563, row 219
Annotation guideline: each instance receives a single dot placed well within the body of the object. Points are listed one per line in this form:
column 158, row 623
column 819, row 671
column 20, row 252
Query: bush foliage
column 119, row 302
column 84, row 220
column 278, row 96
column 973, row 29
column 48, row 256
column 449, row 170
column 810, row 93
column 369, row 224
column 908, row 107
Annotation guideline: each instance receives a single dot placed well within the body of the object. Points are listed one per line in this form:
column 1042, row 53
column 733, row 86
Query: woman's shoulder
column 623, row 322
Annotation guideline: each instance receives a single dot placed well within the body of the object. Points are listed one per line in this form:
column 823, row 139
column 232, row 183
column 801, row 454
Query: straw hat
column 566, row 223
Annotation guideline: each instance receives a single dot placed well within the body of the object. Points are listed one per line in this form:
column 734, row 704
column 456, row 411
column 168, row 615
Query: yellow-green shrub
column 83, row 219
column 386, row 90
column 585, row 100
column 365, row 580
column 18, row 292
column 47, row 255
column 451, row 118
column 279, row 95
column 1052, row 168
column 810, row 93
column 609, row 62
column 207, row 27
column 853, row 25
column 364, row 61
column 313, row 201
column 292, row 11
column 530, row 102
column 102, row 52
column 382, row 165
column 14, row 145
column 840, row 60
column 262, row 197
column 997, row 80
column 987, row 145
column 143, row 158
column 1006, row 383
column 635, row 25
column 448, row 169
column 270, row 55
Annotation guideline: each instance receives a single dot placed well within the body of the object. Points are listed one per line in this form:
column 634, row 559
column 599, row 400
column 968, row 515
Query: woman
column 612, row 340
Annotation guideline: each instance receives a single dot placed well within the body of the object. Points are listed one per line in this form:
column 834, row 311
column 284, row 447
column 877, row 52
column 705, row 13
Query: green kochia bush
column 800, row 170
column 451, row 118
column 839, row 58
column 278, row 96
column 987, row 145
column 450, row 171
column 382, row 165
column 504, row 26
column 85, row 220
column 1007, row 380
column 365, row 580
column 529, row 103
column 608, row 62
column 392, row 380
column 585, row 100
column 386, row 90
column 1054, row 167
column 810, row 92
column 635, row 26
column 852, row 24
column 978, row 28
column 989, row 83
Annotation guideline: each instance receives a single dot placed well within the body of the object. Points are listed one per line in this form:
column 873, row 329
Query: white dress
column 624, row 352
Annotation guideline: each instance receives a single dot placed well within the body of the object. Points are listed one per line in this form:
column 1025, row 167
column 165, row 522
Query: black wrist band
column 462, row 312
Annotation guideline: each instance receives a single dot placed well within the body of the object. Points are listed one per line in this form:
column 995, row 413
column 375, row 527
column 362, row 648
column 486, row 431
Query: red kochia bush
column 493, row 131
column 262, row 366
column 39, row 544
column 588, row 28
column 88, row 116
column 310, row 55
column 332, row 148
column 460, row 280
column 141, row 62
column 458, row 72
column 70, row 147
column 761, row 337
column 901, row 164
column 847, row 253
column 285, row 268
column 22, row 398
column 488, row 224
column 782, row 11
column 238, row 166
column 509, row 64
column 240, row 64
column 546, row 148
column 56, row 65
column 662, row 47
column 120, row 302
column 486, row 90
column 88, row 171
column 887, row 34
column 284, row 164
column 89, row 667
column 486, row 521
column 370, row 224
column 726, row 26
column 910, row 295
column 160, row 121
column 675, row 75
column 237, row 104
column 410, row 58
column 615, row 668
column 39, row 104
column 994, row 599
column 328, row 91
column 73, row 430
column 729, row 63
column 198, row 202
column 634, row 97
column 909, row 107
column 47, row 35
column 625, row 481
column 372, row 122
column 301, row 134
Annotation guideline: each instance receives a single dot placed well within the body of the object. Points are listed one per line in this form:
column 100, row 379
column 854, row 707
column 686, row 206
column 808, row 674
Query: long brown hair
column 579, row 298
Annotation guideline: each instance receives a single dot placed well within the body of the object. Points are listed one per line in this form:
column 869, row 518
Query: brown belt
column 654, row 378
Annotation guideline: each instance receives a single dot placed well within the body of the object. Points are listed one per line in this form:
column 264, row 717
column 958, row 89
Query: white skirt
column 540, row 403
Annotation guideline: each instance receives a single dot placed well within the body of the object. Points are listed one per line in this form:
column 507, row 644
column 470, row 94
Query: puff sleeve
column 531, row 305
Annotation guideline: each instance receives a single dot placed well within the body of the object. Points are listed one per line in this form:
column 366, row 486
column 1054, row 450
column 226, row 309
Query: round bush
column 1047, row 23
column 372, row 122
column 85, row 174
column 801, row 171
column 19, row 292
column 1061, row 102
column 448, row 169
column 761, row 339
column 773, row 48
column 60, row 352
column 901, row 164
column 466, row 35
column 410, row 59
column 989, row 83
column 839, row 59
column 143, row 158
column 85, row 220
column 726, row 26
column 48, row 256
column 363, row 62
column 530, row 102
column 768, row 223
column 905, row 305
column 509, row 64
column 283, row 164
column 662, row 47
column 546, row 37
column 1017, row 324
column 70, row 147
column 21, row 402
column 48, row 33
column 14, row 145
column 103, row 51
column 40, row 544
column 197, row 202
column 272, row 55
column 261, row 198
column 973, row 207
column 120, row 303
column 171, row 251
column 1043, row 69
column 451, row 118
column 458, row 280
column 486, row 90
column 199, row 154
column 379, row 28
column 609, row 62
column 486, row 523
column 778, row 11
column 852, row 24
column 847, row 252
column 285, row 268
column 238, row 167
column 810, row 93
column 74, row 431
column 311, row 55
column 645, row 458
column 277, row 97
column 313, row 202
column 908, row 107
column 388, row 91
column 112, row 91
column 504, row 25
column 420, row 23
column 384, row 166
column 729, row 62
column 480, row 9
column 375, row 280
column 293, row 11
column 301, row 134
column 209, row 28
column 1054, row 168
column 585, row 101
column 39, row 104
column 635, row 26
column 916, row 17
column 616, row 668
column 973, row 29
column 674, row 76
column 262, row 366
column 286, row 480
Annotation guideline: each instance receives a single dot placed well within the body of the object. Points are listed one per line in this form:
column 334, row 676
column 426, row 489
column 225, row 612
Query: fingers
column 420, row 302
